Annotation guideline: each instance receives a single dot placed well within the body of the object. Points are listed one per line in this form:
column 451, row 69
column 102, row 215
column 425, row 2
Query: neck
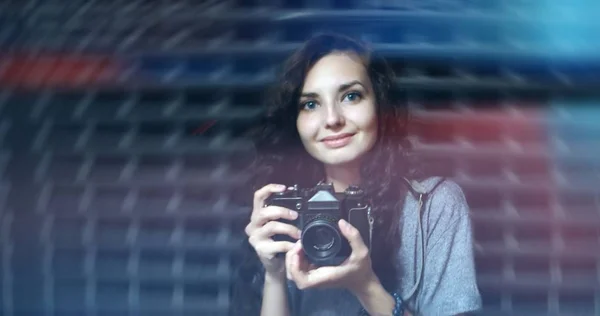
column 343, row 176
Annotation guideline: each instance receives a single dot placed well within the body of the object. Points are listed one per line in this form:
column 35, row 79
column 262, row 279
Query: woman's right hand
column 263, row 225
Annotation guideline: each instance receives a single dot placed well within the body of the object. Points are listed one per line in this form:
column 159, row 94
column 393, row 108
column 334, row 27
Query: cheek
column 369, row 123
column 304, row 126
column 371, row 129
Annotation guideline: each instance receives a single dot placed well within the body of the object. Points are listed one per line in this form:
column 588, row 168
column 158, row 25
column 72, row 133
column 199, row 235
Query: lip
column 336, row 137
column 337, row 141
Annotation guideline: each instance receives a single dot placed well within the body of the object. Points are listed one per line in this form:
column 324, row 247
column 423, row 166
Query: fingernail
column 281, row 187
column 298, row 233
column 294, row 214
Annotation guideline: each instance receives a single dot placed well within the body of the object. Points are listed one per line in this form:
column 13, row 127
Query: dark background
column 122, row 136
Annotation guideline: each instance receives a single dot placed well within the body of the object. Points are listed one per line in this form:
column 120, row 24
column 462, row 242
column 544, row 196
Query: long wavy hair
column 281, row 158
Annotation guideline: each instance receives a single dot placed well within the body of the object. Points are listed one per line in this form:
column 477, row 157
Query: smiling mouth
column 334, row 137
column 338, row 142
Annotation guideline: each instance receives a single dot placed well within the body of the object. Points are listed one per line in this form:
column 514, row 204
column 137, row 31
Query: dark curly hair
column 281, row 158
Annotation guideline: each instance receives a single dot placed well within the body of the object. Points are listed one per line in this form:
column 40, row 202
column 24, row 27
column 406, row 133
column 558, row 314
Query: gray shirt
column 448, row 284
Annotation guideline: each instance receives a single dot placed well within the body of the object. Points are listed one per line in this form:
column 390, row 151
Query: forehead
column 335, row 69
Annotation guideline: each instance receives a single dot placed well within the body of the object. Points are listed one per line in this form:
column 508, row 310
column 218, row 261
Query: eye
column 309, row 105
column 353, row 96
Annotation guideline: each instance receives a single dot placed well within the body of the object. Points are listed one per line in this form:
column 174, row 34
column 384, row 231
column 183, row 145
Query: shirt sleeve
column 449, row 285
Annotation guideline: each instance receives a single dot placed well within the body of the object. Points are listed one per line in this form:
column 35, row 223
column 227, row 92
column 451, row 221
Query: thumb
column 353, row 235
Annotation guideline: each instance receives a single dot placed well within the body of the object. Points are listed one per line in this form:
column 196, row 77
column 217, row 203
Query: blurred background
column 122, row 135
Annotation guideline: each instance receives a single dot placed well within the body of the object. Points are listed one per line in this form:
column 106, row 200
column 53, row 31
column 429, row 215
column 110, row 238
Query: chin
column 340, row 158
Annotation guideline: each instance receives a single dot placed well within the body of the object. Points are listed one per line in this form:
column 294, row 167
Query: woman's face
column 337, row 121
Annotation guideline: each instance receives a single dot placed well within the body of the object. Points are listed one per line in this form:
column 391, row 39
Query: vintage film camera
column 319, row 210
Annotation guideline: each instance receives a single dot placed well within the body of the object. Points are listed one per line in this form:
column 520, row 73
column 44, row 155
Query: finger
column 251, row 228
column 268, row 249
column 359, row 249
column 307, row 278
column 289, row 257
column 276, row 228
column 263, row 215
column 306, row 274
column 296, row 256
column 293, row 263
column 263, row 193
column 271, row 213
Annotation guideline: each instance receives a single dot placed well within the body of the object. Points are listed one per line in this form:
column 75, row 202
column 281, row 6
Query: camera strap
column 421, row 194
column 371, row 222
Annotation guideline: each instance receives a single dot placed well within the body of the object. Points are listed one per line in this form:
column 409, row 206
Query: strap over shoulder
column 421, row 191
column 423, row 188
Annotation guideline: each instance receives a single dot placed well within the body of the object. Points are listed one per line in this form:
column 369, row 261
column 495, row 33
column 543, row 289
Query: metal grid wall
column 122, row 193
column 6, row 215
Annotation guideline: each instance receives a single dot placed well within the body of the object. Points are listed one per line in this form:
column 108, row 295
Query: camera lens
column 321, row 238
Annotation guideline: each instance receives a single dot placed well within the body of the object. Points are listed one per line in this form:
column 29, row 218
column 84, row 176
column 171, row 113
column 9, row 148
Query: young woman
column 334, row 118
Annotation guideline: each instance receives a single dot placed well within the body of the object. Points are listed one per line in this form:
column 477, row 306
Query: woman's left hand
column 353, row 274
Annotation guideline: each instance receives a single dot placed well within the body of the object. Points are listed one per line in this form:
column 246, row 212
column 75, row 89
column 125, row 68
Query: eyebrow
column 342, row 87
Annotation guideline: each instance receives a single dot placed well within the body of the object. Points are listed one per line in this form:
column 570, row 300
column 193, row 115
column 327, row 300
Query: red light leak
column 57, row 70
column 202, row 129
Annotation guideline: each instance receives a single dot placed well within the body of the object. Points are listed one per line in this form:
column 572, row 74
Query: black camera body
column 319, row 210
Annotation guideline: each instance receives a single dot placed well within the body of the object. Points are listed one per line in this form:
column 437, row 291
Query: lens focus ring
column 321, row 237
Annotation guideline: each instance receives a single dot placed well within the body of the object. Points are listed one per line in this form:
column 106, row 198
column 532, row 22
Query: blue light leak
column 568, row 28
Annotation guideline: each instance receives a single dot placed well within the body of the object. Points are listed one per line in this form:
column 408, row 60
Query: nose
column 334, row 116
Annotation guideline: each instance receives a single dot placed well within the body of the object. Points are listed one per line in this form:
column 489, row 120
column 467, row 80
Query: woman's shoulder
column 442, row 197
column 435, row 187
column 436, row 239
